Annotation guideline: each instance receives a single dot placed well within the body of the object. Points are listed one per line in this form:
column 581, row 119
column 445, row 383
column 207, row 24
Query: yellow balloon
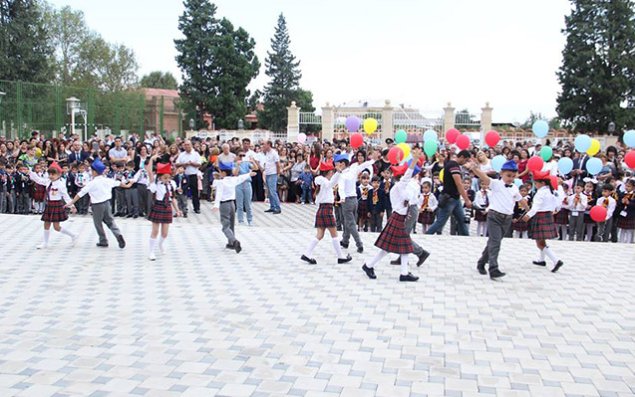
column 406, row 149
column 595, row 147
column 441, row 174
column 370, row 126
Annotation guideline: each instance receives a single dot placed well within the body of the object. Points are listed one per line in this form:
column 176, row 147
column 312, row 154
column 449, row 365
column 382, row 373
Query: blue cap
column 98, row 166
column 510, row 166
column 225, row 166
column 341, row 157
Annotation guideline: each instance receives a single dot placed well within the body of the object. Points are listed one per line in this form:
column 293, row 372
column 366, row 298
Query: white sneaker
column 152, row 257
column 42, row 246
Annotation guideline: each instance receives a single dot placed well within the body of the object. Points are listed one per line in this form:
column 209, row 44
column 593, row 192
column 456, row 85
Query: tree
column 68, row 33
column 159, row 79
column 283, row 87
column 217, row 63
column 597, row 74
column 25, row 51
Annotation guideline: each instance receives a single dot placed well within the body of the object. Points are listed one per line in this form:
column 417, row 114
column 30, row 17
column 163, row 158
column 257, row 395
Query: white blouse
column 326, row 195
column 399, row 194
column 544, row 201
column 57, row 189
column 160, row 189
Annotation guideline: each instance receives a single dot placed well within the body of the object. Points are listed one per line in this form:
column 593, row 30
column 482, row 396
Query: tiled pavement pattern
column 204, row 321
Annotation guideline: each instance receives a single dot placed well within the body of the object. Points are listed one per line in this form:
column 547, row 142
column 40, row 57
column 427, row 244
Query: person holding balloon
column 626, row 213
column 605, row 221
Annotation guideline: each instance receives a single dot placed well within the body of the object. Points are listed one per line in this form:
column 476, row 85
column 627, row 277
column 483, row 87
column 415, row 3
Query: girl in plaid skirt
column 542, row 226
column 163, row 188
column 428, row 206
column 626, row 213
column 394, row 237
column 324, row 217
column 54, row 211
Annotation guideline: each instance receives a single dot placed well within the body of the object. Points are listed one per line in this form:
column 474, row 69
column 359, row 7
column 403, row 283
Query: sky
column 421, row 53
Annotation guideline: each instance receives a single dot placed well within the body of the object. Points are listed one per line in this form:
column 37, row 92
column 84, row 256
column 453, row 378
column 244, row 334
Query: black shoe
column 344, row 260
column 308, row 260
column 343, row 244
column 408, row 277
column 135, row 216
column 229, row 246
column 277, row 212
column 422, row 258
column 360, row 250
column 558, row 266
column 185, row 215
column 481, row 269
column 103, row 245
column 539, row 263
column 269, row 210
column 339, row 229
column 396, row 261
column 121, row 241
column 370, row 272
column 129, row 216
column 197, row 211
column 495, row 273
column 237, row 246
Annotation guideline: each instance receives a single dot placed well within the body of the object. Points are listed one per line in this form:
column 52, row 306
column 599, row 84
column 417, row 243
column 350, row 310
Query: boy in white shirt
column 577, row 205
column 608, row 202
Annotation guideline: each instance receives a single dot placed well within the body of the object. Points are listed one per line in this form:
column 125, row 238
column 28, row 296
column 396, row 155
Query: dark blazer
column 75, row 158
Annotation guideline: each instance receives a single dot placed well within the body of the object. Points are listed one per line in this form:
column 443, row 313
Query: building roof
column 150, row 92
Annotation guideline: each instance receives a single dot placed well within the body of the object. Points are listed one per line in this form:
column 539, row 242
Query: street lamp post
column 73, row 106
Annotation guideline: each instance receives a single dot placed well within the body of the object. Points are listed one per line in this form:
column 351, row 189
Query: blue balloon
column 518, row 182
column 497, row 162
column 594, row 166
column 430, row 135
column 540, row 128
column 629, row 138
column 565, row 165
column 582, row 143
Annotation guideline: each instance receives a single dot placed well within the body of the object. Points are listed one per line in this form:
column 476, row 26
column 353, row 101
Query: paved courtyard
column 203, row 321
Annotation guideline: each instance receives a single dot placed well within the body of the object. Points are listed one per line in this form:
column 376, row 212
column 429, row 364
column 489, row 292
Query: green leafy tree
column 68, row 33
column 217, row 63
column 159, row 79
column 25, row 50
column 597, row 74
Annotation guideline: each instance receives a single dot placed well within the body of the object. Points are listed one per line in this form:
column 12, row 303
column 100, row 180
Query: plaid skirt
column 562, row 217
column 39, row 192
column 480, row 216
column 362, row 210
column 394, row 238
column 54, row 212
column 324, row 217
column 627, row 223
column 426, row 217
column 520, row 226
column 542, row 226
column 160, row 213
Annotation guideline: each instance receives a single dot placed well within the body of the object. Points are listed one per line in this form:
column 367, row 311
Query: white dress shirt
column 160, row 189
column 544, row 201
column 269, row 162
column 326, row 195
column 141, row 177
column 99, row 189
column 610, row 207
column 576, row 208
column 226, row 188
column 57, row 191
column 186, row 157
column 399, row 194
column 348, row 181
column 433, row 203
column 414, row 193
column 503, row 198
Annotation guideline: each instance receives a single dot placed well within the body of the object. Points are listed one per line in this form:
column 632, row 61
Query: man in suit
column 579, row 168
column 77, row 154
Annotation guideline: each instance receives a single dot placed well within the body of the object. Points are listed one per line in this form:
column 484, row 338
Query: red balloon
column 451, row 135
column 629, row 159
column 492, row 138
column 598, row 213
column 395, row 155
column 357, row 140
column 535, row 164
column 463, row 142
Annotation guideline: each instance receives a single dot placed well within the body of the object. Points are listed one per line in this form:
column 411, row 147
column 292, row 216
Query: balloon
column 554, row 182
column 594, row 149
column 540, row 128
column 441, row 173
column 546, row 153
column 395, row 154
column 301, row 138
column 535, row 163
column 370, row 126
column 405, row 149
column 629, row 138
column 629, row 159
column 497, row 162
column 463, row 142
column 430, row 135
column 492, row 138
column 594, row 166
column 582, row 143
column 451, row 135
column 353, row 123
column 430, row 147
column 401, row 136
column 565, row 165
column 357, row 140
column 518, row 182
column 598, row 213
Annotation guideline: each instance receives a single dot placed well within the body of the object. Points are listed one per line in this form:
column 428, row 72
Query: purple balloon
column 353, row 123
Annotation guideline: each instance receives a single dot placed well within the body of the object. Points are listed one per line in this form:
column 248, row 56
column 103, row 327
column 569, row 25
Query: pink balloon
column 451, row 135
column 463, row 142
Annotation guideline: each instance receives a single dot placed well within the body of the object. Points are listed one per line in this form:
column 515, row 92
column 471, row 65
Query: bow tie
column 510, row 185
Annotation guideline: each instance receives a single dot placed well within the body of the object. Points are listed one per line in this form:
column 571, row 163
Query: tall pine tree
column 217, row 63
column 284, row 86
column 598, row 68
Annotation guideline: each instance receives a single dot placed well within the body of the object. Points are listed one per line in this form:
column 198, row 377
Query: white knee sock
column 161, row 240
column 337, row 248
column 542, row 256
column 45, row 236
column 311, row 247
column 404, row 264
column 379, row 256
column 153, row 244
column 547, row 251
column 66, row 232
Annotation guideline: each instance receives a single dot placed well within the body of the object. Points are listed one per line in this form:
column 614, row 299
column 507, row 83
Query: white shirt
column 141, row 177
column 269, row 162
column 348, row 181
column 81, row 179
column 502, row 199
column 250, row 154
column 58, row 187
column 186, row 157
column 580, row 207
column 99, row 189
column 159, row 189
column 544, row 201
column 433, row 203
column 481, row 199
column 226, row 188
column 326, row 195
column 120, row 153
column 551, row 166
column 226, row 158
column 610, row 206
column 414, row 193
column 399, row 194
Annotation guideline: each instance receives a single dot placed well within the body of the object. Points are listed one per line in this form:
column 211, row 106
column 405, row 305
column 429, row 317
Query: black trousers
column 258, row 187
column 192, row 182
